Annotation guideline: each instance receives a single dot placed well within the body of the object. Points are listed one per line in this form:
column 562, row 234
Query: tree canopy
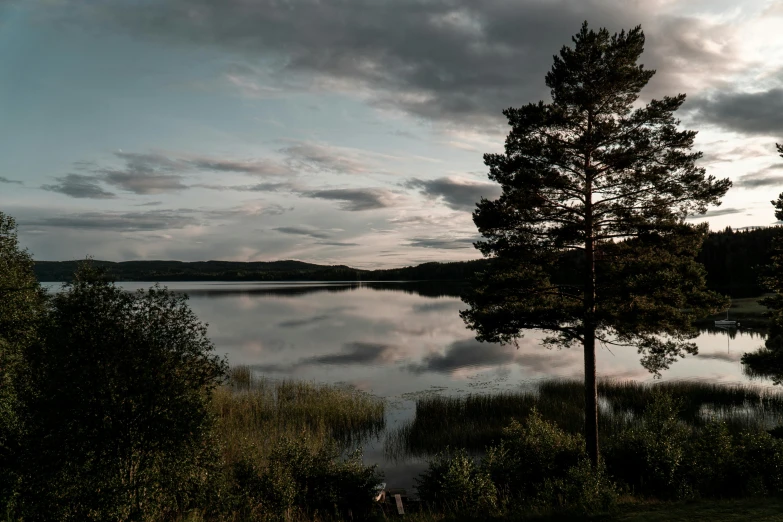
column 21, row 305
column 597, row 172
column 768, row 361
column 118, row 421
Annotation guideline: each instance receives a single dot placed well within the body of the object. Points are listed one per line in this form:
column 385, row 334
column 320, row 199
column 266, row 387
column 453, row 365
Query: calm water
column 403, row 340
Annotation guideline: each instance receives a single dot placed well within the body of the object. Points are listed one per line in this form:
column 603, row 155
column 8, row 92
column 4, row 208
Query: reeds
column 255, row 412
column 475, row 421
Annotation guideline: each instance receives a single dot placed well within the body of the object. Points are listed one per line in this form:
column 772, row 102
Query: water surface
column 398, row 341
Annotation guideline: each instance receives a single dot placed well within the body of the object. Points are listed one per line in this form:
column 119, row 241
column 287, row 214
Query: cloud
column 257, row 187
column 144, row 173
column 120, row 221
column 248, row 209
column 337, row 243
column 259, row 167
column 756, row 113
column 454, row 60
column 79, row 186
column 763, row 178
column 303, row 230
column 310, row 156
column 458, row 194
column 3, row 179
column 445, row 243
column 355, row 200
column 718, row 212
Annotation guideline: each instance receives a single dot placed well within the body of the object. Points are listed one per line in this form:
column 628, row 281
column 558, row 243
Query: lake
column 398, row 341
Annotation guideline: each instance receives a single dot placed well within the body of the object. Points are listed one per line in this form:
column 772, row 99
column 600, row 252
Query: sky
column 335, row 132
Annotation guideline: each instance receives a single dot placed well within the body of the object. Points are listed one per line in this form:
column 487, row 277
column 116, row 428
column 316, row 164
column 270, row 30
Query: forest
column 731, row 258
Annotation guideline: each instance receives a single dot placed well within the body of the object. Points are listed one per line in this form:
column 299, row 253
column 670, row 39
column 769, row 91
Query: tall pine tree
column 768, row 361
column 590, row 174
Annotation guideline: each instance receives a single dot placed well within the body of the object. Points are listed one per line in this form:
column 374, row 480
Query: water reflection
column 395, row 340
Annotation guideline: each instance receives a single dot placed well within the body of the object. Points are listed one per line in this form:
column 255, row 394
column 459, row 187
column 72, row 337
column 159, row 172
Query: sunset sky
column 343, row 131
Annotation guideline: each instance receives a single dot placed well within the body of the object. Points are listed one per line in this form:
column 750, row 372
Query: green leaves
column 122, row 383
column 592, row 176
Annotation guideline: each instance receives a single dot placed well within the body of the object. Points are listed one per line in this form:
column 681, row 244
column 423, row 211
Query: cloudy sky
column 333, row 131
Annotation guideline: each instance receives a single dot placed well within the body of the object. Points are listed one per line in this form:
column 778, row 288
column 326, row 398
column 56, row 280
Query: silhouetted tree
column 589, row 173
column 119, row 426
column 768, row 361
column 22, row 302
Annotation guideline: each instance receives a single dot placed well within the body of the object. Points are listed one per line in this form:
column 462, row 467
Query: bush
column 582, row 490
column 709, row 466
column 22, row 302
column 310, row 481
column 648, row 458
column 119, row 426
column 530, row 453
column 759, row 464
column 541, row 465
column 454, row 483
column 536, row 465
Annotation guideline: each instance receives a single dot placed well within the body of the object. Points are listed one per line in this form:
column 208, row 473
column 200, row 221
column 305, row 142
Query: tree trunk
column 591, row 390
column 591, row 397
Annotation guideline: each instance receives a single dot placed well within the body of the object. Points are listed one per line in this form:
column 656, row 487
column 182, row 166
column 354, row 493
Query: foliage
column 539, row 464
column 119, row 426
column 455, row 483
column 769, row 360
column 536, row 465
column 588, row 173
column 22, row 302
column 299, row 479
column 530, row 453
column 648, row 458
column 732, row 259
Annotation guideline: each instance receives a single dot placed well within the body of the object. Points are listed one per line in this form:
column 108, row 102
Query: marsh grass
column 255, row 412
column 476, row 421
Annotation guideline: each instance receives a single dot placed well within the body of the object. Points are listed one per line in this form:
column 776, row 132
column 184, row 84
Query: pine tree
column 590, row 173
column 768, row 361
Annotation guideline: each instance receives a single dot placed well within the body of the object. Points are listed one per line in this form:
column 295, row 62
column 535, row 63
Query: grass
column 255, row 412
column 747, row 310
column 735, row 510
column 475, row 421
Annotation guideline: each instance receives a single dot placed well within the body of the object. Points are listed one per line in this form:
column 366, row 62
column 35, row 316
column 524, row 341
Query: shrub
column 582, row 490
column 541, row 465
column 530, row 453
column 311, row 481
column 119, row 426
column 709, row 466
column 454, row 483
column 759, row 464
column 22, row 302
column 648, row 458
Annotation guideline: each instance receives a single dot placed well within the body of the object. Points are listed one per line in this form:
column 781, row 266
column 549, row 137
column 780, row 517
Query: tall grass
column 475, row 421
column 255, row 412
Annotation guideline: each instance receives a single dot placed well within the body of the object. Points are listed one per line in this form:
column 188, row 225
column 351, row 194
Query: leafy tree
column 768, row 361
column 21, row 304
column 590, row 173
column 119, row 425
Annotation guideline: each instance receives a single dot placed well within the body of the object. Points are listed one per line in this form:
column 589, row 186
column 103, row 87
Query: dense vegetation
column 732, row 260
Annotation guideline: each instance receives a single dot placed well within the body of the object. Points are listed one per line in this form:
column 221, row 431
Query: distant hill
column 52, row 271
column 733, row 260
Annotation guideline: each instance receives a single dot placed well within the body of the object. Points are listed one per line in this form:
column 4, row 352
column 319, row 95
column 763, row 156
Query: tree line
column 732, row 259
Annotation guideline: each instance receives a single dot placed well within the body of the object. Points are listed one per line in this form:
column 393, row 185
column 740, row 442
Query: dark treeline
column 731, row 258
